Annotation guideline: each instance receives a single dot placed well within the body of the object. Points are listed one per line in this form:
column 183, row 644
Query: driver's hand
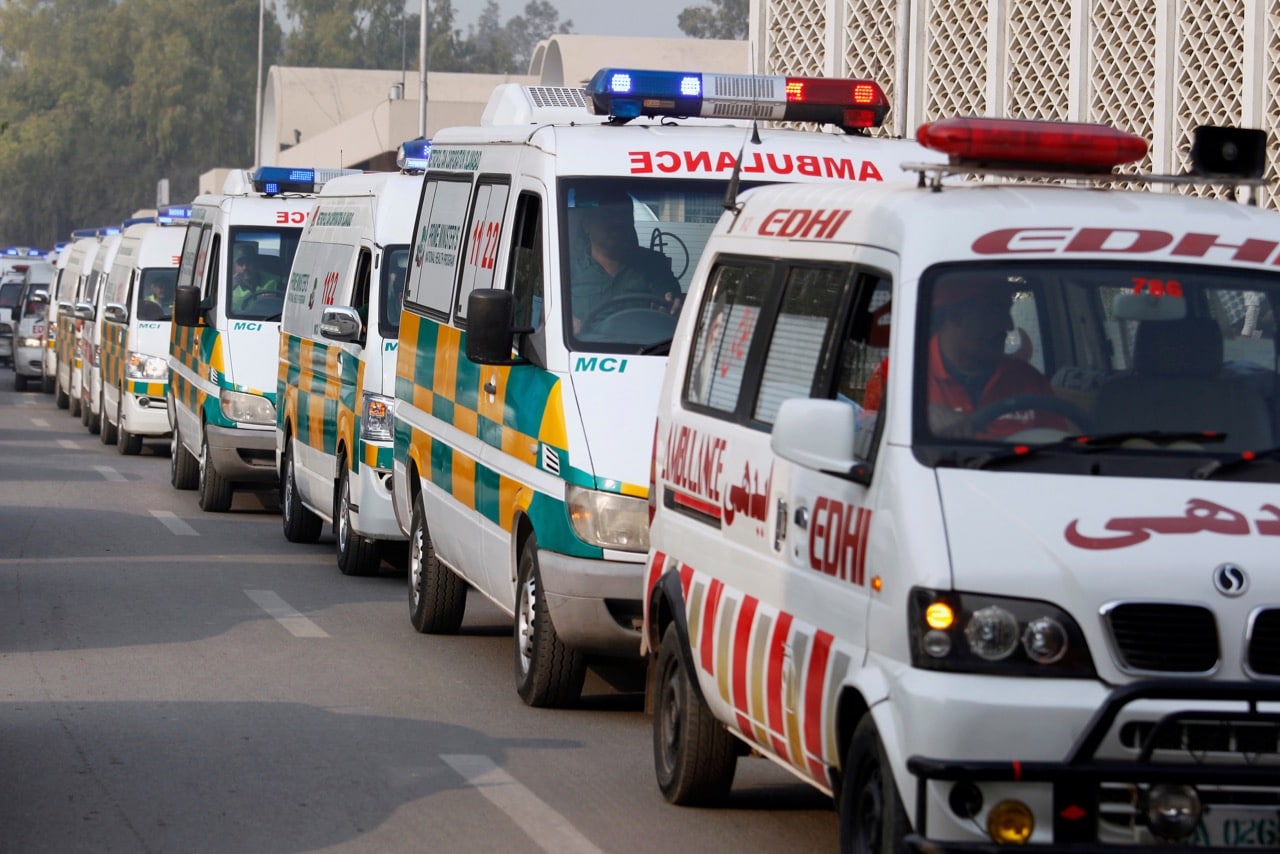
column 945, row 421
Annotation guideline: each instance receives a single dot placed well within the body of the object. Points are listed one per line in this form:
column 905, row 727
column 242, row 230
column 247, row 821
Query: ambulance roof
column 392, row 195
column 986, row 221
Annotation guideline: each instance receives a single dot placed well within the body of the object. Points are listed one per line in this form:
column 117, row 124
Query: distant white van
column 71, row 286
column 89, row 312
column 335, row 389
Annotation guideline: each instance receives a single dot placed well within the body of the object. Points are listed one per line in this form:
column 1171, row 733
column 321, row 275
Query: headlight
column 143, row 367
column 376, row 416
column 609, row 520
column 29, row 342
column 247, row 408
column 975, row 633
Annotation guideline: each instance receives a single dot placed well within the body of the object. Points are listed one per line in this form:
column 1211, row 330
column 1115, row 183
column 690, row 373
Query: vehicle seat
column 1177, row 384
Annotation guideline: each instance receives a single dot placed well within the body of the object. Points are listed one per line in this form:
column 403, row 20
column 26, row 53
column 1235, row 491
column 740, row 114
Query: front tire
column 356, row 555
column 694, row 756
column 300, row 524
column 549, row 674
column 110, row 433
column 19, row 382
column 437, row 595
column 184, row 472
column 215, row 490
column 46, row 385
column 872, row 818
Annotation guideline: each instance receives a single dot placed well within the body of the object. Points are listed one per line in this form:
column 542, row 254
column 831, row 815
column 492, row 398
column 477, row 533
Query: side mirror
column 39, row 296
column 341, row 323
column 819, row 434
column 186, row 306
column 115, row 312
column 490, row 326
column 84, row 310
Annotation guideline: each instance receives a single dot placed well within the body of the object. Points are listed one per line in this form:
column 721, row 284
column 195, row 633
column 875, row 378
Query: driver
column 968, row 368
column 612, row 265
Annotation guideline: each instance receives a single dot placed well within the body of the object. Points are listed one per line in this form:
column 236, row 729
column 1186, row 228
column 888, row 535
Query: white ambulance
column 138, row 312
column 335, row 388
column 552, row 249
column 236, row 254
column 89, row 312
column 71, row 286
column 28, row 340
column 962, row 501
column 49, row 378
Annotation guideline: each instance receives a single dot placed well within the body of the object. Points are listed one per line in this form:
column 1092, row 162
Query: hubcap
column 344, row 507
column 415, row 566
column 288, row 487
column 672, row 716
column 524, row 622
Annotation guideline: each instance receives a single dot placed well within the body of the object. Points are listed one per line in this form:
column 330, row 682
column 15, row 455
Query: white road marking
column 39, row 422
column 284, row 614
column 174, row 524
column 109, row 473
column 547, row 828
column 69, row 444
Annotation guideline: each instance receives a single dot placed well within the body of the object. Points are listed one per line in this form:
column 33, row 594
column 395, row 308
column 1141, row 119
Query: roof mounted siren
column 1222, row 152
column 413, row 155
column 624, row 94
column 173, row 214
column 281, row 180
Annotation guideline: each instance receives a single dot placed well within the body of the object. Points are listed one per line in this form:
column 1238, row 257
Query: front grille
column 1164, row 638
column 1264, row 643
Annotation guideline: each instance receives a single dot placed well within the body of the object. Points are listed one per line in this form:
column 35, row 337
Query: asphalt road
column 172, row 680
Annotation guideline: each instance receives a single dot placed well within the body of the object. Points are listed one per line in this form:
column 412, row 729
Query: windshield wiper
column 1084, row 444
column 1213, row 468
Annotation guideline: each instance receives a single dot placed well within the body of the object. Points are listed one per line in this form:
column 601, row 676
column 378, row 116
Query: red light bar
column 848, row 103
column 1027, row 143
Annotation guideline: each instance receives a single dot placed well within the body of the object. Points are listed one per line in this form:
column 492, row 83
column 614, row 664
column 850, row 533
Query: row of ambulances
column 526, row 383
column 961, row 496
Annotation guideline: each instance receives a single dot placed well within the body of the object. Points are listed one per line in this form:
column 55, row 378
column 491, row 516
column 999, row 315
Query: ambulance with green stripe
column 223, row 352
column 89, row 311
column 137, row 324
column 336, row 379
column 528, row 372
column 71, row 285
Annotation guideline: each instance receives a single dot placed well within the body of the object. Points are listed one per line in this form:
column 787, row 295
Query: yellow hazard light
column 939, row 616
column 1010, row 823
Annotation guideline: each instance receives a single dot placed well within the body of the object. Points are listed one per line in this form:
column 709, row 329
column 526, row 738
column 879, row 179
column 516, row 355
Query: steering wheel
column 619, row 303
column 984, row 415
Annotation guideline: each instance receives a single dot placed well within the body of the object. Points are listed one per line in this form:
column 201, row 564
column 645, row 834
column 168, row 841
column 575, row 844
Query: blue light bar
column 11, row 250
column 81, row 233
column 414, row 155
column 108, row 230
column 274, row 180
column 624, row 94
column 135, row 220
column 171, row 214
column 34, row 253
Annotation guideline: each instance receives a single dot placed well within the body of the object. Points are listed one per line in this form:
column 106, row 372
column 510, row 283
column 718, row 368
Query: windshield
column 630, row 247
column 1164, row 359
column 260, row 262
column 10, row 294
column 155, row 294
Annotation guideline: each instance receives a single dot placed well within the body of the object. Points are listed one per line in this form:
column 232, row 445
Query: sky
column 596, row 17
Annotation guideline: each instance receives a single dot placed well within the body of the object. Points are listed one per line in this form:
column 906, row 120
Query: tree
column 347, row 33
column 540, row 20
column 723, row 19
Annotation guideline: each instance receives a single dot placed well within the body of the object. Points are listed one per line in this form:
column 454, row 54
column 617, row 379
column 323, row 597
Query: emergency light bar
column 274, row 180
column 108, row 230
column 172, row 212
column 625, row 94
column 81, row 233
column 1032, row 144
column 413, row 155
column 135, row 220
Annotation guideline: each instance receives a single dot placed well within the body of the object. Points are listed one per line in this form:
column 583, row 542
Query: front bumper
column 149, row 420
column 1199, row 740
column 243, row 454
column 594, row 604
column 373, row 515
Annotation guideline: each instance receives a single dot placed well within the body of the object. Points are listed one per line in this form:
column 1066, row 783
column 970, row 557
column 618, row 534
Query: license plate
column 1238, row 829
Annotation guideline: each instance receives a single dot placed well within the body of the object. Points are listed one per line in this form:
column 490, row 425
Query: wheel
column 694, row 756
column 356, row 555
column 46, row 385
column 110, row 433
column 215, row 490
column 549, row 674
column 183, row 468
column 19, row 382
column 300, row 524
column 75, row 409
column 437, row 596
column 872, row 819
column 128, row 444
column 62, row 399
column 94, row 422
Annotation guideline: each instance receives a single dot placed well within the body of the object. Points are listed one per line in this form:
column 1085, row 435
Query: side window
column 797, row 348
column 207, row 268
column 360, row 292
column 727, row 318
column 436, row 247
column 864, row 351
column 525, row 272
column 483, row 236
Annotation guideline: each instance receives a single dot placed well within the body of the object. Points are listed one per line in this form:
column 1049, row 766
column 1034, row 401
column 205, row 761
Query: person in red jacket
column 968, row 368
